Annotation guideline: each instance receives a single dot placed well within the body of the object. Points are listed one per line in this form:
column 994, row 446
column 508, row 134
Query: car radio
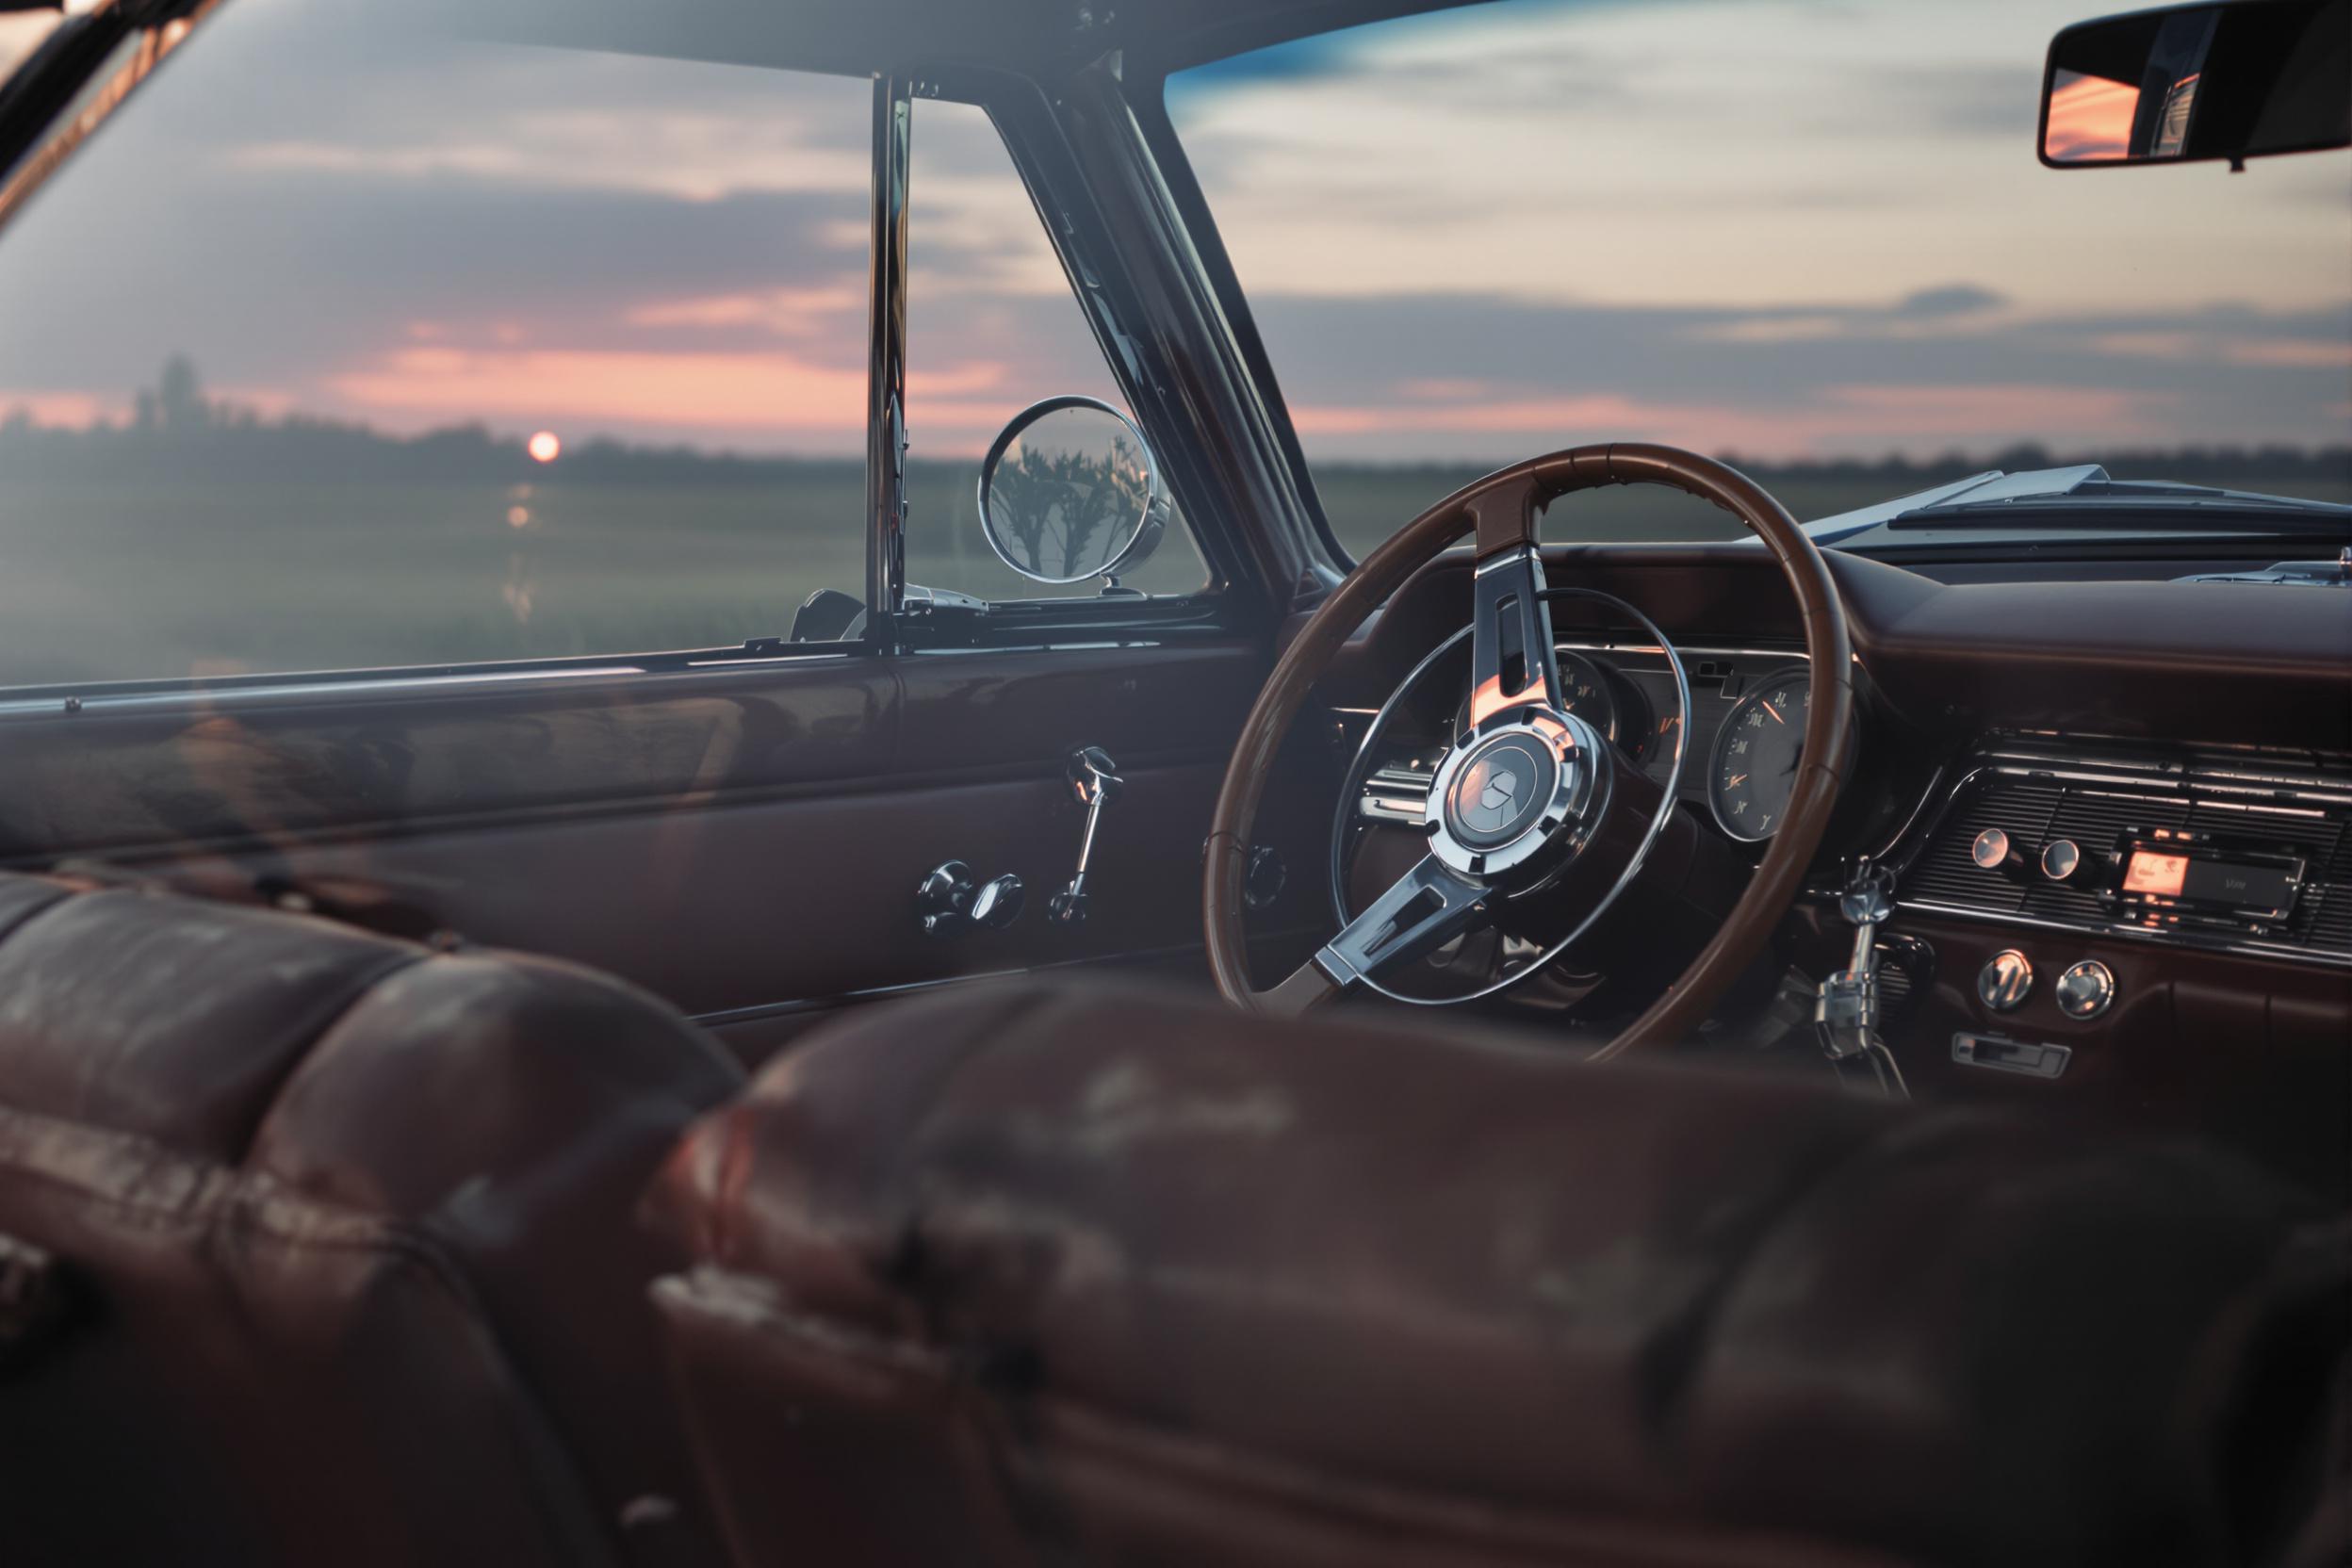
column 2171, row 877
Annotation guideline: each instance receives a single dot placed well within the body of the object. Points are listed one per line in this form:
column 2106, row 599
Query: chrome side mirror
column 1071, row 492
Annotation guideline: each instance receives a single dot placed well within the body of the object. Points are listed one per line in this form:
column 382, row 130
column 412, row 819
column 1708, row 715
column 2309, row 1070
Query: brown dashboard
column 2171, row 739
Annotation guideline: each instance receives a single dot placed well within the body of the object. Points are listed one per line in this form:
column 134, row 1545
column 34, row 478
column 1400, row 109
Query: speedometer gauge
column 1754, row 767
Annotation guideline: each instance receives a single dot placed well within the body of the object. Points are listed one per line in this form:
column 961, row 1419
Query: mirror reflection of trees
column 1064, row 513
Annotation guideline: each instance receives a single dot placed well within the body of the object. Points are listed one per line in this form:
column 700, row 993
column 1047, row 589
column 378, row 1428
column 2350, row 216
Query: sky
column 1779, row 227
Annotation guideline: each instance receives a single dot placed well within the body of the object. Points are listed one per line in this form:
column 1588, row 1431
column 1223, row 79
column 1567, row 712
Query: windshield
column 1812, row 238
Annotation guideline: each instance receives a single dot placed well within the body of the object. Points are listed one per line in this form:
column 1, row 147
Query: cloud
column 771, row 394
column 1767, row 225
column 1364, row 376
column 1959, row 299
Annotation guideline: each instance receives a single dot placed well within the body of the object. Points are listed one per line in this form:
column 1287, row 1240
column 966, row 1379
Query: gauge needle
column 1775, row 713
column 1735, row 782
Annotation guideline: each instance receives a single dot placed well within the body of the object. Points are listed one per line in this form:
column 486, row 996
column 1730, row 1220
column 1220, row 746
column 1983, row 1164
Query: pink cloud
column 788, row 312
column 771, row 392
column 63, row 410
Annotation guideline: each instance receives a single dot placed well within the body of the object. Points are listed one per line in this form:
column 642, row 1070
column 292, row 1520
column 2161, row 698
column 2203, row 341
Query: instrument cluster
column 1747, row 726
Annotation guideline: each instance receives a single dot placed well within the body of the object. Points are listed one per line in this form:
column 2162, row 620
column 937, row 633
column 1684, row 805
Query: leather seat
column 1073, row 1276
column 319, row 1246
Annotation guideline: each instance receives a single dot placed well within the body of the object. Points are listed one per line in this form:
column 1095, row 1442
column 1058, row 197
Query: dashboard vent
column 2034, row 809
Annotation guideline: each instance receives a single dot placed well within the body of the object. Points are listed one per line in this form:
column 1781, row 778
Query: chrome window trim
column 358, row 686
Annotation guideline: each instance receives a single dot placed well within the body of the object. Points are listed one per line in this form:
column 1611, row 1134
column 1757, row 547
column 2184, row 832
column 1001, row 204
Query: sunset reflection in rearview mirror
column 2090, row 119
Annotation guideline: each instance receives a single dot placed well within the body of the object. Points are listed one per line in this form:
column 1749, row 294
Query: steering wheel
column 1528, row 796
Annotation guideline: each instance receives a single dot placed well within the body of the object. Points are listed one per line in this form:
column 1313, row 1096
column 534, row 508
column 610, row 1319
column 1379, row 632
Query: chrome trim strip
column 354, row 687
column 2317, row 956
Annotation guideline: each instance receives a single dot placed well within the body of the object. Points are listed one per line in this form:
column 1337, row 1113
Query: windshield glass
column 1812, row 238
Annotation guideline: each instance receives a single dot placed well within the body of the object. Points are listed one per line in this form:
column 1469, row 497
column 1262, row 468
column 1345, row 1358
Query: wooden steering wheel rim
column 1502, row 509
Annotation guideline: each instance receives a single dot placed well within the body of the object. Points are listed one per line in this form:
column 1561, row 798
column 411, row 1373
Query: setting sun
column 545, row 447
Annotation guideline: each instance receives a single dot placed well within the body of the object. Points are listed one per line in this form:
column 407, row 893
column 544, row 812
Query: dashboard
column 2119, row 814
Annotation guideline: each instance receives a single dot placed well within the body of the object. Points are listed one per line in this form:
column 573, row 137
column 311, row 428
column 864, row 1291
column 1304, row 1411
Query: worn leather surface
column 346, row 1226
column 1072, row 1275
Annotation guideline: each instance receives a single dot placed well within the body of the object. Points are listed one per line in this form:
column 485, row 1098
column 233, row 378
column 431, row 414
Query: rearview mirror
column 1069, row 492
column 2190, row 83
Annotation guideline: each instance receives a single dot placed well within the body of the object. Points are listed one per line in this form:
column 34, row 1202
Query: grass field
column 107, row 581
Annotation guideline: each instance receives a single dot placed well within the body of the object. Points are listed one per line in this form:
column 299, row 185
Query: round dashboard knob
column 2086, row 991
column 1994, row 850
column 2006, row 981
column 2061, row 859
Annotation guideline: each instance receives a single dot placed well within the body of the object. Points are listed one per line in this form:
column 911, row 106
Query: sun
column 545, row 447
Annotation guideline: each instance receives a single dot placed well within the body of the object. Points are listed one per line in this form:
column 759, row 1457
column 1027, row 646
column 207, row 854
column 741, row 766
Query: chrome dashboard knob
column 2086, row 991
column 2061, row 859
column 2006, row 981
column 1993, row 850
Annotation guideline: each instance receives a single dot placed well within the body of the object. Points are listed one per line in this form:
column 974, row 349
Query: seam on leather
column 1669, row 1362
column 367, row 987
column 61, row 896
column 224, row 1196
column 748, row 1303
column 906, row 1268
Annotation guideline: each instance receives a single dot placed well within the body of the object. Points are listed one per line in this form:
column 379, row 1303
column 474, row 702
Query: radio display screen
column 2236, row 884
column 2151, row 873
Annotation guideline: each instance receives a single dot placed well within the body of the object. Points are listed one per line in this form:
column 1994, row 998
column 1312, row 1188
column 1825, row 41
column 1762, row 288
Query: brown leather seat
column 344, row 1234
column 1067, row 1276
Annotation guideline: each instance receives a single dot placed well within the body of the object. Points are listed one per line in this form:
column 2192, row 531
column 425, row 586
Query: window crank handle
column 1094, row 782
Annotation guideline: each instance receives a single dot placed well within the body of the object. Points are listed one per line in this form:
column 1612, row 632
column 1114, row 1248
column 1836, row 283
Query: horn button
column 1502, row 798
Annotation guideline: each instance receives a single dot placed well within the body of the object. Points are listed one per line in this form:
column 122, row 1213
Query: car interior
column 1830, row 1043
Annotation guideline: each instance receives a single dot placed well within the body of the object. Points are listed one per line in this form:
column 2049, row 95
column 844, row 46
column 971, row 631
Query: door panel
column 745, row 840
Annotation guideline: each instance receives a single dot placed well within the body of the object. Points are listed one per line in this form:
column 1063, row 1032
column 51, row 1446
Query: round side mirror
column 1071, row 492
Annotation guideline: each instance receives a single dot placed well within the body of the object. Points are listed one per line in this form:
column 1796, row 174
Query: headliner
column 873, row 37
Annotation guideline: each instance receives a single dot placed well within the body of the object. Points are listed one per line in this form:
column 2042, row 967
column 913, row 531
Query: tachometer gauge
column 1585, row 691
column 1757, row 751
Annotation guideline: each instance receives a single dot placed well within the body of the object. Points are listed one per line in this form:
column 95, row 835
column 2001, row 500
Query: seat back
column 1079, row 1275
column 335, row 1239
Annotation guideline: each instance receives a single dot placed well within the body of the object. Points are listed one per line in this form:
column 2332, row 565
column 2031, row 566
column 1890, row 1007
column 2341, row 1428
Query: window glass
column 350, row 344
column 1815, row 239
column 20, row 34
column 991, row 327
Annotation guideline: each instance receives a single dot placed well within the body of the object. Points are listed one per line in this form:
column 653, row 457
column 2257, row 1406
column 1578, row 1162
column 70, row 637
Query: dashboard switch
column 2086, row 991
column 2006, row 981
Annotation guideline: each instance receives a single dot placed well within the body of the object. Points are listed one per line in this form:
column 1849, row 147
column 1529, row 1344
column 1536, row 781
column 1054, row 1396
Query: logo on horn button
column 1500, row 789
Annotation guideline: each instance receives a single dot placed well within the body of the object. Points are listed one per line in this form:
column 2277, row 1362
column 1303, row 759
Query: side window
column 992, row 329
column 346, row 345
column 20, row 34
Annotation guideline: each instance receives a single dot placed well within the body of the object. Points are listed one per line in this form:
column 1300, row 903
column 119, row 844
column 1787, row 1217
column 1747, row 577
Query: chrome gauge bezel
column 1727, row 731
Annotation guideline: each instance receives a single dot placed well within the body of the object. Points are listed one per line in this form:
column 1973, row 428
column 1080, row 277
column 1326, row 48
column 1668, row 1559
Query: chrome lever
column 1846, row 1013
column 1094, row 781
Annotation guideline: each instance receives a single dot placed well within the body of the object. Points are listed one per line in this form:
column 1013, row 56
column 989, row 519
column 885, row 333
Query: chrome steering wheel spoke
column 1423, row 910
column 1512, row 664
